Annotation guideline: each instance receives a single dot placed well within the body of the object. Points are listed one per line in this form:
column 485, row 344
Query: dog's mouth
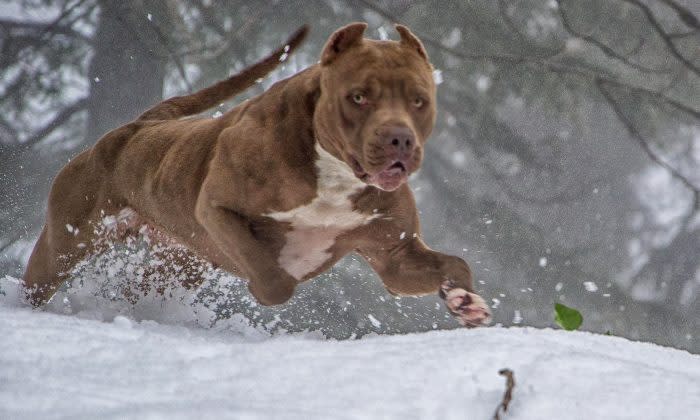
column 389, row 178
column 358, row 169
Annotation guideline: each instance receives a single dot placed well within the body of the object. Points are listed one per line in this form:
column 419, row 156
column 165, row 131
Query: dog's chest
column 316, row 225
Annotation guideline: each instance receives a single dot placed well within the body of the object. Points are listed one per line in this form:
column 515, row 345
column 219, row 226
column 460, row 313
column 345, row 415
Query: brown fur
column 211, row 184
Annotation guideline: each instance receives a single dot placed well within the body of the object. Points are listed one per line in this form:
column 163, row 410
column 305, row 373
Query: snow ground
column 58, row 366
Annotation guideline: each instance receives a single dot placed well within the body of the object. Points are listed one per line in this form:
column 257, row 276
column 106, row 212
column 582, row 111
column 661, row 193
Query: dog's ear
column 341, row 40
column 411, row 41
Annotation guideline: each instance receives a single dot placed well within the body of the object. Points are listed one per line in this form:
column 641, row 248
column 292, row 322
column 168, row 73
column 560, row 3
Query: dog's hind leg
column 51, row 262
column 40, row 278
column 67, row 236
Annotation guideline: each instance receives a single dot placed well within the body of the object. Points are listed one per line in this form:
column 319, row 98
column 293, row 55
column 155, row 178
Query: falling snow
column 590, row 286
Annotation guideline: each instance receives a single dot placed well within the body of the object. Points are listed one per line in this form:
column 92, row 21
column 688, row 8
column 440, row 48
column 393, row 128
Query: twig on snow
column 508, row 395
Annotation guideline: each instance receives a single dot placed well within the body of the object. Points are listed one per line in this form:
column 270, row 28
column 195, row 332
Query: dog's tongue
column 390, row 178
column 394, row 170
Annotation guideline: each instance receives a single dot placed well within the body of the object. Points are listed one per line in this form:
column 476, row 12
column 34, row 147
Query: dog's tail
column 181, row 106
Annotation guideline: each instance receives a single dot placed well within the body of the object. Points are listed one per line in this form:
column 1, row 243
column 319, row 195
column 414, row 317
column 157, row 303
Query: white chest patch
column 316, row 225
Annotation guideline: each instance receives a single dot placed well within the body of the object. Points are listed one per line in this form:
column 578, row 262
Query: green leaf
column 567, row 318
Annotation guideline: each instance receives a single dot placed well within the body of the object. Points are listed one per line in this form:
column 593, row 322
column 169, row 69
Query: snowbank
column 57, row 366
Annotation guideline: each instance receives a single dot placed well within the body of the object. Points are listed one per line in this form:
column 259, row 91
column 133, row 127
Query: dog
column 277, row 189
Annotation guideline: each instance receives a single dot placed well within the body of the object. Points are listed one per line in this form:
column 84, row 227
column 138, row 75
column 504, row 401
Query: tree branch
column 163, row 39
column 645, row 144
column 538, row 64
column 664, row 35
column 39, row 27
column 609, row 52
column 683, row 34
column 64, row 13
column 657, row 96
column 503, row 11
column 43, row 32
column 524, row 39
column 684, row 14
column 64, row 115
column 503, row 58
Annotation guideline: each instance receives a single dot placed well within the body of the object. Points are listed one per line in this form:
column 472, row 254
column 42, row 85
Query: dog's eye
column 418, row 102
column 359, row 98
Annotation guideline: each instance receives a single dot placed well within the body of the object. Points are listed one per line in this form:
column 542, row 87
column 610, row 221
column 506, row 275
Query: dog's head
column 377, row 104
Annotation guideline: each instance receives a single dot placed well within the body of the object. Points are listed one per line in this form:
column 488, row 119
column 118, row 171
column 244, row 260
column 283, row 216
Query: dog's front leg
column 231, row 233
column 411, row 268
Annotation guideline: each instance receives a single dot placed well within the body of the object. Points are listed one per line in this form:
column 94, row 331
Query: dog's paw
column 469, row 308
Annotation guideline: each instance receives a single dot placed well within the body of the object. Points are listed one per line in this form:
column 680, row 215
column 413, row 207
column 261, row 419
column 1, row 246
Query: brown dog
column 279, row 188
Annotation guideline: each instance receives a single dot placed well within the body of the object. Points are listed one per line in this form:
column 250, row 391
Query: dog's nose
column 399, row 139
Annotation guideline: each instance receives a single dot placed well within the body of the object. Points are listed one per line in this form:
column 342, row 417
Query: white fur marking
column 316, row 225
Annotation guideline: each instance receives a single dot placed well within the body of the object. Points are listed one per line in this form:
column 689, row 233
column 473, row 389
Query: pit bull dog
column 277, row 189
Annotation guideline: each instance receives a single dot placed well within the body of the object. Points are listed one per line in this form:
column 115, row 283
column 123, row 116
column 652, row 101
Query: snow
column 483, row 83
column 437, row 77
column 60, row 366
column 453, row 39
column 517, row 317
column 375, row 322
column 590, row 286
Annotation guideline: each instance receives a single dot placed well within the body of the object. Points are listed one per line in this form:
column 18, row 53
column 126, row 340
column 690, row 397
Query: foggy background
column 564, row 166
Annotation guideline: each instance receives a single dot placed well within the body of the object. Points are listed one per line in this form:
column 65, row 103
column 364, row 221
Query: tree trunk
column 127, row 72
column 126, row 76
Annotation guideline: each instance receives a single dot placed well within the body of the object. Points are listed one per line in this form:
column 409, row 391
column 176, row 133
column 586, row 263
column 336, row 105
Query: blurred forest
column 564, row 167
